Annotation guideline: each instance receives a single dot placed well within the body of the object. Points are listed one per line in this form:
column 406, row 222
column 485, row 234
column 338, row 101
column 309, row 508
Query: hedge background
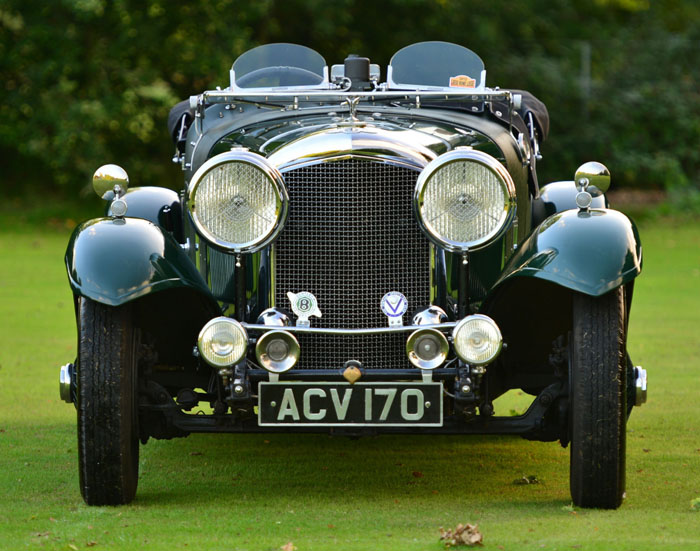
column 86, row 82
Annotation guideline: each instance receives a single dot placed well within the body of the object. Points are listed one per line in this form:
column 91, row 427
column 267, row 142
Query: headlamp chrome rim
column 271, row 173
column 219, row 360
column 461, row 353
column 465, row 155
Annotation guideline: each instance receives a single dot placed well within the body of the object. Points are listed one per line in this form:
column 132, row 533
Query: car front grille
column 350, row 238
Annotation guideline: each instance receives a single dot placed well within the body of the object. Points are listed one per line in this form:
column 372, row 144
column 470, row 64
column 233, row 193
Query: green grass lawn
column 259, row 492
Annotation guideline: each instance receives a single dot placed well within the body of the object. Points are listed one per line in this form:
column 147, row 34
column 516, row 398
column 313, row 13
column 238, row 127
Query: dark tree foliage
column 85, row 82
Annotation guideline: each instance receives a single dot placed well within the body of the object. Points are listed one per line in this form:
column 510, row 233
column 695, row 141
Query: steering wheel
column 278, row 76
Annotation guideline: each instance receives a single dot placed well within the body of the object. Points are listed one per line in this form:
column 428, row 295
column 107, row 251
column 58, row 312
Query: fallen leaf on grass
column 289, row 546
column 695, row 504
column 465, row 534
column 91, row 544
column 418, row 474
column 196, row 453
column 524, row 480
column 646, row 450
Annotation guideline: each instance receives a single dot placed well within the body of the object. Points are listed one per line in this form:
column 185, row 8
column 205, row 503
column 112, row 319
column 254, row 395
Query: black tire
column 108, row 446
column 598, row 415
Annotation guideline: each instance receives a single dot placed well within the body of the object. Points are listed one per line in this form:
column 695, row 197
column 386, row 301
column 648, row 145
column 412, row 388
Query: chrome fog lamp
column 277, row 351
column 477, row 339
column 427, row 348
column 464, row 200
column 238, row 201
column 222, row 342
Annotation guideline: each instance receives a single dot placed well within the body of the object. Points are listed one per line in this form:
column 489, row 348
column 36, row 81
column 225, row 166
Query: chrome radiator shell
column 350, row 237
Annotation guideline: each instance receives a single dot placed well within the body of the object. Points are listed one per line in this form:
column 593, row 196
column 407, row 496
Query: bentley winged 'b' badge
column 304, row 305
column 394, row 305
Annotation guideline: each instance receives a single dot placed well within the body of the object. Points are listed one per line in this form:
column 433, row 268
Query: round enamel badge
column 304, row 305
column 394, row 305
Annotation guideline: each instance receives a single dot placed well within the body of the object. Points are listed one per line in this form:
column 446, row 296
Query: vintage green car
column 354, row 256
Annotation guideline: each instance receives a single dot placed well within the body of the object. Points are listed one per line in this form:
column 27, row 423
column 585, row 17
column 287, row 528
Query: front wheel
column 108, row 447
column 598, row 400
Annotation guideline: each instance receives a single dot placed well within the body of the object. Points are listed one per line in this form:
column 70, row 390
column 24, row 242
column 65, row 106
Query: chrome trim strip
column 227, row 96
column 349, row 332
column 273, row 275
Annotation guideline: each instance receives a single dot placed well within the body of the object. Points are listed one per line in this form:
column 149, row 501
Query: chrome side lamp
column 112, row 182
column 592, row 180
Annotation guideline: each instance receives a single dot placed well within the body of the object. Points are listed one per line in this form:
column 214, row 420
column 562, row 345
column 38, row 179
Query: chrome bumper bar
column 348, row 332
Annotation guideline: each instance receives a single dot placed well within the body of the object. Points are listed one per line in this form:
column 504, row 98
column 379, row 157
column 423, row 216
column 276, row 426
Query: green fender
column 589, row 252
column 114, row 261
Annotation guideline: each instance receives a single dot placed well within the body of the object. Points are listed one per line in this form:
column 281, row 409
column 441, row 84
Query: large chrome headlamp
column 238, row 201
column 464, row 199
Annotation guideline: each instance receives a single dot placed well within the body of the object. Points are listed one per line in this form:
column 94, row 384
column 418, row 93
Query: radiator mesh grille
column 351, row 237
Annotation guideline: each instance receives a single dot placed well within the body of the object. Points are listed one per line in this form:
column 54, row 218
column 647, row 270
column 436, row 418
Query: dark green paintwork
column 115, row 261
column 437, row 130
column 440, row 137
column 589, row 252
column 558, row 197
column 267, row 131
column 158, row 204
